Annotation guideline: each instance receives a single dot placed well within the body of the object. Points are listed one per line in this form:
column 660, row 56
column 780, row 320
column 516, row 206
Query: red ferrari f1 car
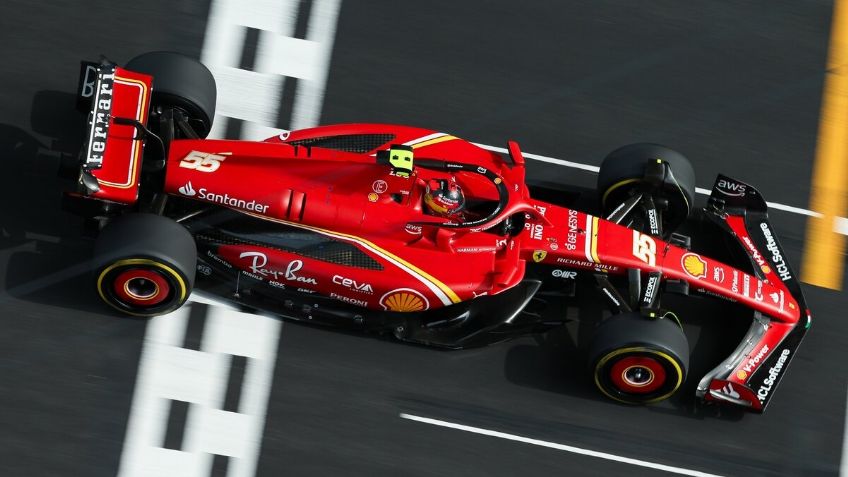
column 417, row 234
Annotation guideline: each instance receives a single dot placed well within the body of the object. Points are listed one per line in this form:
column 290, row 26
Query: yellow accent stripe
column 823, row 259
column 136, row 150
column 616, row 186
column 433, row 141
column 595, row 223
column 441, row 286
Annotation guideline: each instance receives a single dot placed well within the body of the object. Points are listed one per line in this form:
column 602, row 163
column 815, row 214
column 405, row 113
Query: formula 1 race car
column 417, row 234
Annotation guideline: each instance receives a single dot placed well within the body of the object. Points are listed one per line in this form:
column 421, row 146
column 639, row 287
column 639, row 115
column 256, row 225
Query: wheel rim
column 637, row 375
column 141, row 287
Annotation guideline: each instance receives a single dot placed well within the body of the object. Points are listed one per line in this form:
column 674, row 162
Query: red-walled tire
column 637, row 360
column 145, row 264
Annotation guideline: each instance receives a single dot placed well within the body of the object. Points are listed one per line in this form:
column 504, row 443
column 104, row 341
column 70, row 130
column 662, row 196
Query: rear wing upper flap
column 750, row 375
column 110, row 165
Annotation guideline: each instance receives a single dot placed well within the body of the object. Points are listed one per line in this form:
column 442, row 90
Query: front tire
column 145, row 264
column 622, row 173
column 636, row 360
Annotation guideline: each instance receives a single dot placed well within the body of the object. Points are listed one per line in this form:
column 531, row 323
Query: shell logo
column 404, row 300
column 766, row 269
column 741, row 375
column 694, row 265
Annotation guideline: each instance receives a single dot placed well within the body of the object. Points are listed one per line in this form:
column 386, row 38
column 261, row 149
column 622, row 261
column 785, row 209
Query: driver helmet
column 444, row 198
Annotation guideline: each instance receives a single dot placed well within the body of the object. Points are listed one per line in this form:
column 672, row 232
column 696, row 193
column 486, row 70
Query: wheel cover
column 142, row 287
column 638, row 375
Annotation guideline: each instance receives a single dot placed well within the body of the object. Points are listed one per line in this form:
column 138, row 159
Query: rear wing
column 750, row 375
column 110, row 165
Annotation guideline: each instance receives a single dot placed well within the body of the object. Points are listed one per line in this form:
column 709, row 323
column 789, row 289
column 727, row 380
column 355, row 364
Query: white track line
column 562, row 447
column 552, row 160
column 699, row 190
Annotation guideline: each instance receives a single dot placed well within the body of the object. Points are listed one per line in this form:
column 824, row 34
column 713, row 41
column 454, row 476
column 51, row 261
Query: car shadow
column 46, row 256
column 557, row 363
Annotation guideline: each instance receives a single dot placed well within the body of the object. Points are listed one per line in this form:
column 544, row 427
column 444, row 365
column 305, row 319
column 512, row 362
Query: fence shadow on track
column 46, row 260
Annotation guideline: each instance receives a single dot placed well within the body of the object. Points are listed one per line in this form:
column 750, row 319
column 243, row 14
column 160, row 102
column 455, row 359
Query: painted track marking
column 195, row 381
column 168, row 372
column 554, row 445
column 590, row 168
column 254, row 96
column 823, row 262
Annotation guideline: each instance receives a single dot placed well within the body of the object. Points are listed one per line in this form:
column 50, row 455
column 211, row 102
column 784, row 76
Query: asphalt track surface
column 734, row 85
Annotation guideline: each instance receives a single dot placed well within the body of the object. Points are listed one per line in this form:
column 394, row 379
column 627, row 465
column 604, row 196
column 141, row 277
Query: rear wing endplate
column 110, row 165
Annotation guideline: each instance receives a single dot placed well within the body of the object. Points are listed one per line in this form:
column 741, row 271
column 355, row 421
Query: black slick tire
column 624, row 168
column 182, row 82
column 636, row 360
column 144, row 264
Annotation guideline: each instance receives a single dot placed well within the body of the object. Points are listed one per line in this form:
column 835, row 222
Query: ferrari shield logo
column 539, row 255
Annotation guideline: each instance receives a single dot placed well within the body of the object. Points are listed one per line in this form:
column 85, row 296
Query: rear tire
column 180, row 82
column 636, row 360
column 623, row 171
column 145, row 264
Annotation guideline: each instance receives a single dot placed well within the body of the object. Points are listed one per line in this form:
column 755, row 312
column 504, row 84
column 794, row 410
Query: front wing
column 750, row 375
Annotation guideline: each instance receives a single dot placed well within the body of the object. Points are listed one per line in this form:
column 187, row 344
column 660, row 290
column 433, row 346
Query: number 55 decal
column 202, row 161
column 644, row 248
